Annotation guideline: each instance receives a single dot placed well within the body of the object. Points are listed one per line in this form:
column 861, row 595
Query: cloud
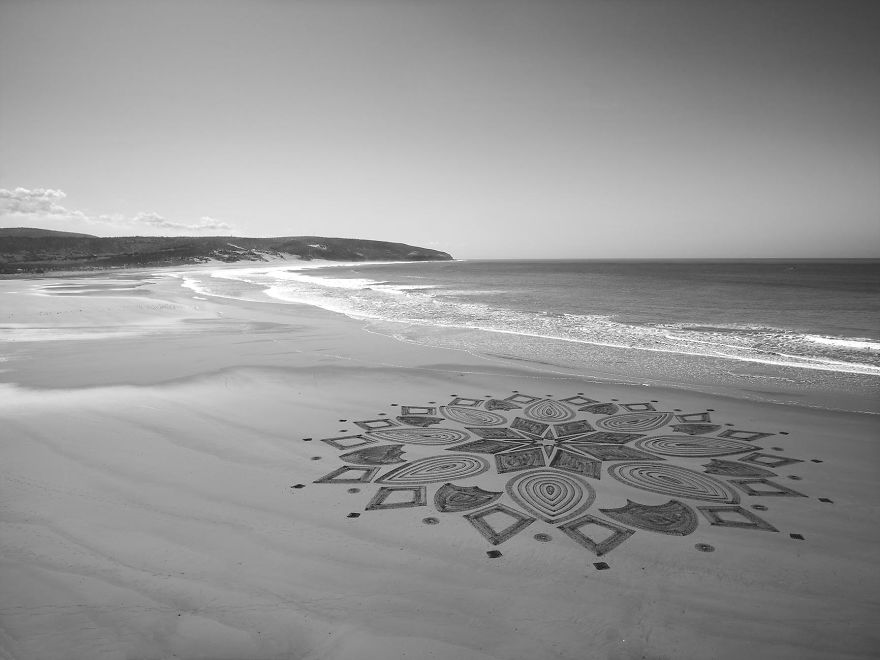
column 36, row 202
column 41, row 205
column 205, row 223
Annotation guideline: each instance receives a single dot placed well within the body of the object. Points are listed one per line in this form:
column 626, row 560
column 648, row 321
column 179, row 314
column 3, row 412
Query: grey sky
column 489, row 129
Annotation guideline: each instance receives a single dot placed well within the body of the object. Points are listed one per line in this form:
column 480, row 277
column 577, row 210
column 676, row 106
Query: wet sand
column 158, row 459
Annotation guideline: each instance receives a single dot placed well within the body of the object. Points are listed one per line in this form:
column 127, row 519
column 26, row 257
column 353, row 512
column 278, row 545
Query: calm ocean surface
column 811, row 316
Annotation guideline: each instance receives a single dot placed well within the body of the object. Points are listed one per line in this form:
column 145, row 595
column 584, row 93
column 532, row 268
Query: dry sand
column 150, row 439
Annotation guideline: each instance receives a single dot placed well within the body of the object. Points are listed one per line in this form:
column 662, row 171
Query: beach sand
column 151, row 442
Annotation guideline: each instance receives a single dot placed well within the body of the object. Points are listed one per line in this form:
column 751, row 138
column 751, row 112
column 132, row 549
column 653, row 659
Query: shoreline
column 657, row 369
column 162, row 495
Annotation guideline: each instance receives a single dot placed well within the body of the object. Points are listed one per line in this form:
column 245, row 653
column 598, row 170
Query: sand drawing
column 520, row 459
column 769, row 460
column 489, row 446
column 550, row 457
column 578, row 400
column 638, row 422
column 693, row 429
column 434, row 436
column 615, row 452
column 498, row 433
column 522, row 399
column 735, row 516
column 349, row 475
column 381, row 455
column 575, row 530
column 418, row 420
column 600, row 409
column 471, row 417
column 673, row 480
column 498, row 404
column 638, row 407
column 529, row 427
column 569, row 429
column 548, row 410
column 688, row 418
column 610, row 437
column 417, row 497
column 434, row 469
column 373, row 424
column 576, row 463
column 453, row 499
column 347, row 441
column 465, row 402
column 408, row 411
column 764, row 487
column 516, row 522
column 743, row 435
column 550, row 495
column 735, row 469
column 673, row 518
column 692, row 446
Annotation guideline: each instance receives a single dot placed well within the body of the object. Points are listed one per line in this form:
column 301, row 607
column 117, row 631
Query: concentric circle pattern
column 693, row 446
column 434, row 469
column 673, row 480
column 637, row 422
column 437, row 436
column 472, row 416
column 547, row 410
column 551, row 495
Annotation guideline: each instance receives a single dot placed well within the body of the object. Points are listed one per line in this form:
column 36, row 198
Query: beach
column 193, row 476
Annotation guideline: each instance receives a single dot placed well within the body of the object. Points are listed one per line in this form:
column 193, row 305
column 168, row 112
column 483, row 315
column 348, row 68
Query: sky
column 484, row 128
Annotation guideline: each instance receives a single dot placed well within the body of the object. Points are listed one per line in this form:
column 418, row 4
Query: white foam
column 430, row 306
column 854, row 344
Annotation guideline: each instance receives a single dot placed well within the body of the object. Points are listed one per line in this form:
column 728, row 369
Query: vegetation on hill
column 24, row 250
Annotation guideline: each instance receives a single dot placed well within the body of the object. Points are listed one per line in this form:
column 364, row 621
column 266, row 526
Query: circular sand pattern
column 692, row 447
column 673, row 480
column 472, row 416
column 551, row 495
column 444, row 469
column 435, row 468
column 548, row 410
column 421, row 436
column 637, row 422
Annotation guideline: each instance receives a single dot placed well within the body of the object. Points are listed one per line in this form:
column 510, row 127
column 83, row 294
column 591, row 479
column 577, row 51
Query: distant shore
column 160, row 452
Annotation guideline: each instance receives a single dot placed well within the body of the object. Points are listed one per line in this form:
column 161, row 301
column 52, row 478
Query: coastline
column 151, row 442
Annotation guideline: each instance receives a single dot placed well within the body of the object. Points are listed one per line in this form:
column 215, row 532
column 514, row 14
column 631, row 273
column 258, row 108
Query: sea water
column 809, row 322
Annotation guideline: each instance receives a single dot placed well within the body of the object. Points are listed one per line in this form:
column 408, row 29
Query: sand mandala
column 471, row 417
column 421, row 436
column 382, row 455
column 500, row 464
column 693, row 446
column 638, row 422
column 434, row 469
column 548, row 410
column 551, row 496
column 451, row 498
column 671, row 518
column 673, row 480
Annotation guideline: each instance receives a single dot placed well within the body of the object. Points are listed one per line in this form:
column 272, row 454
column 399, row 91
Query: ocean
column 768, row 326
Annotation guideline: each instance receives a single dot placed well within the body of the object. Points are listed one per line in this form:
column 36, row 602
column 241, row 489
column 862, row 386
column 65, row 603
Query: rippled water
column 815, row 315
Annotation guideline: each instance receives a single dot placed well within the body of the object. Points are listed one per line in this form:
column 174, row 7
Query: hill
column 33, row 232
column 25, row 250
